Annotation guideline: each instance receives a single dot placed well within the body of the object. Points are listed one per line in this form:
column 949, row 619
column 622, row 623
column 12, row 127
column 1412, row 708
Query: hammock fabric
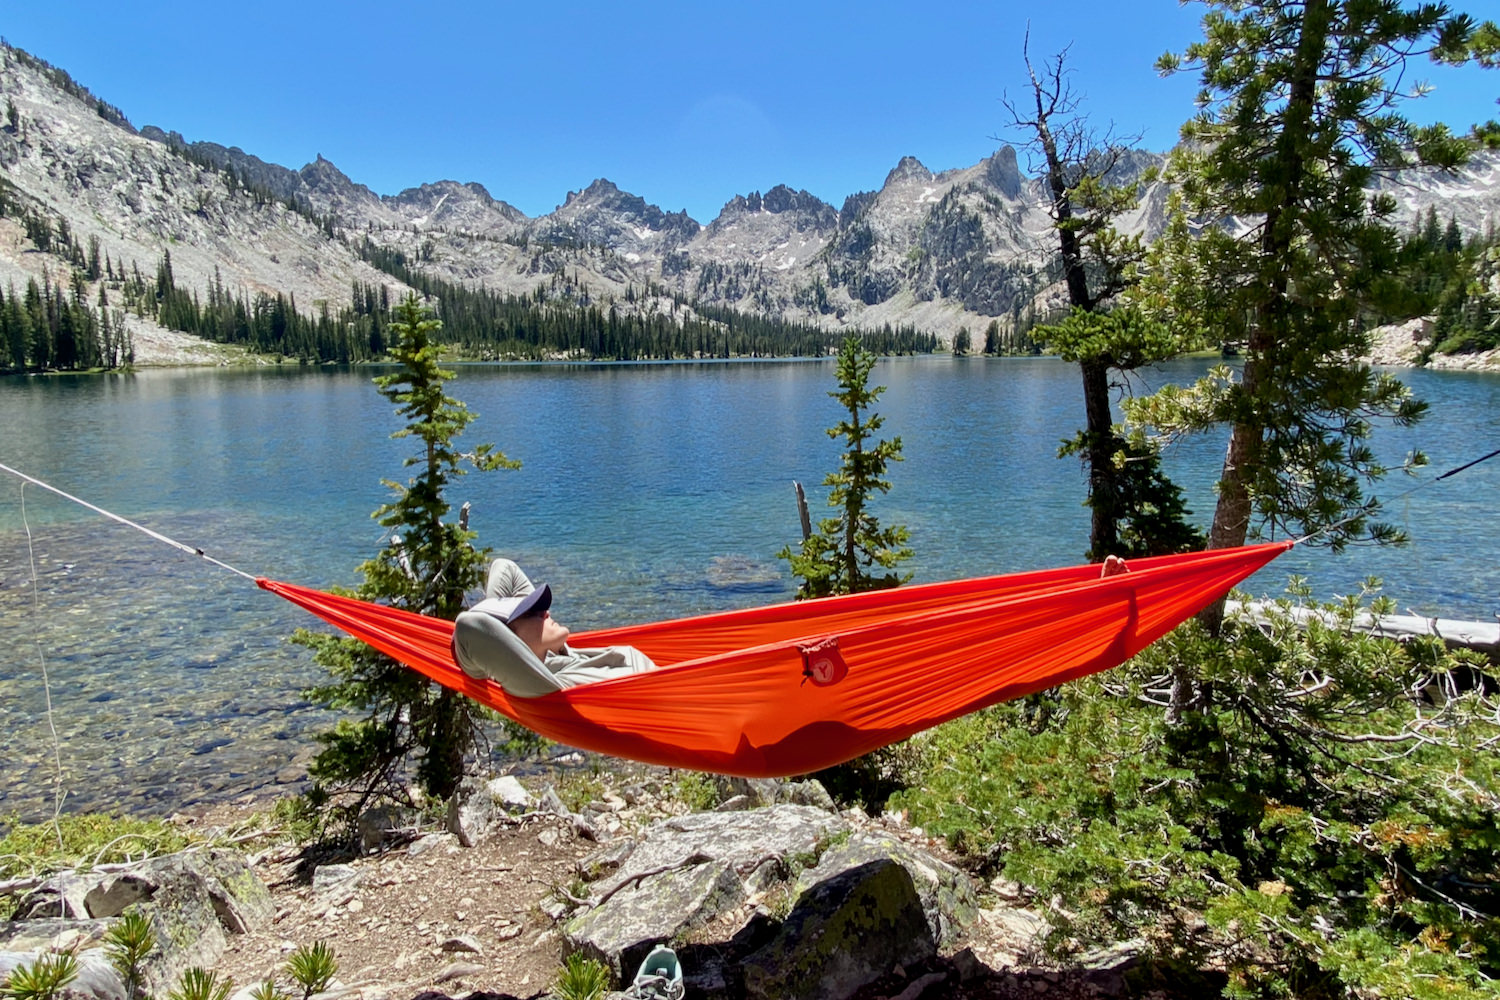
column 796, row 687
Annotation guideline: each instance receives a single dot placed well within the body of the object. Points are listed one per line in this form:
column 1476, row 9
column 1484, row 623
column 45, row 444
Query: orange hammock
column 795, row 687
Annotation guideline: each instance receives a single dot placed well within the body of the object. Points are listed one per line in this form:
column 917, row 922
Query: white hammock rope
column 190, row 550
column 58, row 792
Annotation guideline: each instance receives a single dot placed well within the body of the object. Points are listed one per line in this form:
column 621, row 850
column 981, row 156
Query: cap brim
column 534, row 603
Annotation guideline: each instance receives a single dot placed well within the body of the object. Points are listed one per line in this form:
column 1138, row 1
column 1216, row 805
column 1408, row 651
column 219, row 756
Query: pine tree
column 1299, row 113
column 429, row 567
column 39, row 347
column 1299, row 116
column 16, row 330
column 992, row 337
column 851, row 548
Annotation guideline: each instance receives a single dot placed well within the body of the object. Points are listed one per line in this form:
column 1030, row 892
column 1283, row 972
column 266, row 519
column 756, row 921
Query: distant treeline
column 48, row 328
column 557, row 319
column 560, row 316
column 1451, row 279
column 52, row 326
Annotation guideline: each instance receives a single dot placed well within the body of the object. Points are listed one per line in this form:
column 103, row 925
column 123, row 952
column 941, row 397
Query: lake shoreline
column 1394, row 346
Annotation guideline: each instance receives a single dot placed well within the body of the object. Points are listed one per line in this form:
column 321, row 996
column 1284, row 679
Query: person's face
column 541, row 632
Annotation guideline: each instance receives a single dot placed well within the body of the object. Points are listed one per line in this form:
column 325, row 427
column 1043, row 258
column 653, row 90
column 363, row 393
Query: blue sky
column 685, row 104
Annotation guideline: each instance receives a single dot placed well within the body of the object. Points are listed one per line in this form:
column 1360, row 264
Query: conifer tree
column 850, row 549
column 429, row 567
column 1299, row 115
column 14, row 329
column 1276, row 246
column 39, row 347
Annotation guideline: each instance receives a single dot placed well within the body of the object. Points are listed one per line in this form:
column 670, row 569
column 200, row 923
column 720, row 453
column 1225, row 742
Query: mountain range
column 939, row 250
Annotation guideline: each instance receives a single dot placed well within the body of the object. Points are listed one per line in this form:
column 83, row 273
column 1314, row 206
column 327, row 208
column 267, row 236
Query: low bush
column 1326, row 823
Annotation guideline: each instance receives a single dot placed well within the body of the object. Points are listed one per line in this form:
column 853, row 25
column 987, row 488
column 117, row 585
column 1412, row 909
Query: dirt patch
column 429, row 918
column 431, row 915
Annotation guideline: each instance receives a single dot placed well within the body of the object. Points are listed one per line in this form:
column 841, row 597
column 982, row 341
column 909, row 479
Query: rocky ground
column 156, row 347
column 425, row 917
column 1401, row 344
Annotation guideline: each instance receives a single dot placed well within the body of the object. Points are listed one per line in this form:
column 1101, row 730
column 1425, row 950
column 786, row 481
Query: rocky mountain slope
column 938, row 250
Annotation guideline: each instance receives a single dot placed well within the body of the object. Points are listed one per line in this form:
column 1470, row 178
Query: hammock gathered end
column 800, row 686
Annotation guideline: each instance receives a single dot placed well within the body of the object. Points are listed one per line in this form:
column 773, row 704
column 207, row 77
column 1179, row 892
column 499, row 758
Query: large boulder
column 844, row 932
column 683, row 873
column 785, row 900
column 870, row 904
column 193, row 900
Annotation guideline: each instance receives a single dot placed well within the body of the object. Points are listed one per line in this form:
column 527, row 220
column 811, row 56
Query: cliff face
column 939, row 250
column 136, row 196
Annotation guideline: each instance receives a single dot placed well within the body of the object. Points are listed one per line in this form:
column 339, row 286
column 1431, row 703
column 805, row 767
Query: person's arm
column 506, row 579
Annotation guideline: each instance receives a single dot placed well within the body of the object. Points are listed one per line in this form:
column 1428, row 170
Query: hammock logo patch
column 822, row 663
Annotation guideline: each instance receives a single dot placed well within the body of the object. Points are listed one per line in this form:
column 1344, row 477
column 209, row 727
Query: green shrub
column 201, row 984
column 696, row 790
column 1338, row 828
column 42, row 979
column 581, row 978
column 127, row 943
column 312, row 967
column 267, row 989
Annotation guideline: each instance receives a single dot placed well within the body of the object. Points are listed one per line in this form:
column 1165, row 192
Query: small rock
column 457, row 970
column 919, row 986
column 430, row 842
column 465, row 943
column 328, row 876
column 510, row 793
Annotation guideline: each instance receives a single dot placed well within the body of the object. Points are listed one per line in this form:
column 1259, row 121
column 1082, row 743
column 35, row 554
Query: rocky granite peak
column 603, row 215
column 812, row 211
column 452, row 206
column 908, row 169
column 1003, row 172
column 939, row 251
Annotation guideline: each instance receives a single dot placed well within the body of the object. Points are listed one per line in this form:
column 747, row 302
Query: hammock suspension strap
column 190, row 550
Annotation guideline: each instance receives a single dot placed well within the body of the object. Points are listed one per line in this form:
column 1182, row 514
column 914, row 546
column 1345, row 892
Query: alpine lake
column 647, row 491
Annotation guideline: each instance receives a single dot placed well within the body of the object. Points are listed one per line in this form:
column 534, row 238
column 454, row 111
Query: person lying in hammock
column 492, row 638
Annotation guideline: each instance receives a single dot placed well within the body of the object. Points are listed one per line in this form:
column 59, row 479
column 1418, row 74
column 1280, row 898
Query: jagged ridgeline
column 561, row 317
column 52, row 325
column 117, row 235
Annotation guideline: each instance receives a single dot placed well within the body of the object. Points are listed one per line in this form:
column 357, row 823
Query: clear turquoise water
column 647, row 491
